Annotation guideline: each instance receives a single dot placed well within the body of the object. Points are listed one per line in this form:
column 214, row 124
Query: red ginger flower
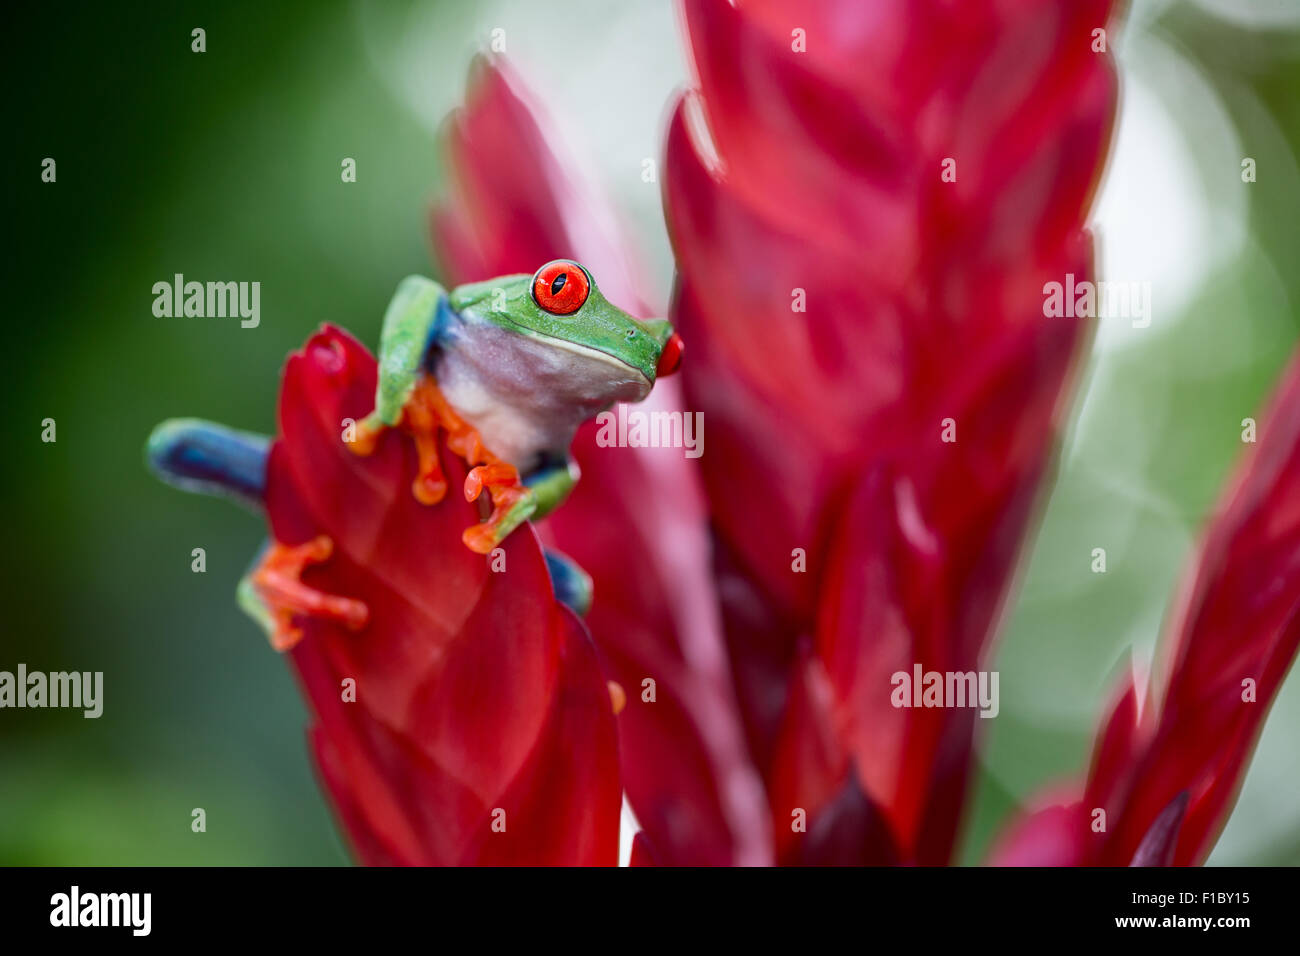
column 478, row 696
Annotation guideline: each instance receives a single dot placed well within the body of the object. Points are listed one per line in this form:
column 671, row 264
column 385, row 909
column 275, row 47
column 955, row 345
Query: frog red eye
column 670, row 359
column 560, row 287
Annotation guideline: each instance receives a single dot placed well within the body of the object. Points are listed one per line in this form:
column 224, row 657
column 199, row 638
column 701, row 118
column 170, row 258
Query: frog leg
column 415, row 318
column 272, row 592
column 202, row 456
column 572, row 585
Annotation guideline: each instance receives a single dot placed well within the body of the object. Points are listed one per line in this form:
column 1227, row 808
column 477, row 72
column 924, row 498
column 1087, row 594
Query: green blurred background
column 225, row 166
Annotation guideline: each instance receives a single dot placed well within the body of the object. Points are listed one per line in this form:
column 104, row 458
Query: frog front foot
column 276, row 582
column 421, row 417
column 427, row 411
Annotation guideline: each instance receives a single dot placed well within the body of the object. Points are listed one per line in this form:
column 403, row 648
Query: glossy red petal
column 477, row 694
column 919, row 561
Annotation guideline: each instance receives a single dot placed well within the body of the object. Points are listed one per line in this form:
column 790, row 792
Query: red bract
column 478, row 698
column 843, row 301
column 1167, row 774
column 636, row 519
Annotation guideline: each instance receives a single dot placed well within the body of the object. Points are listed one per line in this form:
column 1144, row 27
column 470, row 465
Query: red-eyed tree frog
column 509, row 368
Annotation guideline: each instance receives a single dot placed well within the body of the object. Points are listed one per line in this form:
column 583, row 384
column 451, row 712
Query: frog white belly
column 527, row 395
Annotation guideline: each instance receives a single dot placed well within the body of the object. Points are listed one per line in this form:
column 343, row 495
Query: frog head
column 560, row 306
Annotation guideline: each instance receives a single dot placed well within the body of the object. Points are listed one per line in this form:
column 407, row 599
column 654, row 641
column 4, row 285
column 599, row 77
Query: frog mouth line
column 589, row 352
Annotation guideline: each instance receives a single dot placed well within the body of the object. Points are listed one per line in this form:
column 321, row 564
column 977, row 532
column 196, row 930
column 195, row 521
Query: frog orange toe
column 429, row 486
column 278, row 582
column 512, row 504
column 366, row 435
column 498, row 475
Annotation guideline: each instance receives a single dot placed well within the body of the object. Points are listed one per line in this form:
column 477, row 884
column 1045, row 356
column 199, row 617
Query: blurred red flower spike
column 636, row 521
column 885, row 579
column 755, row 92
column 863, row 256
column 780, row 431
column 480, row 729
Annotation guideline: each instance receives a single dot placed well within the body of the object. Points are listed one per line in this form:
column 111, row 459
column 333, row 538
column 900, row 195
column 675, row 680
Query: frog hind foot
column 274, row 595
